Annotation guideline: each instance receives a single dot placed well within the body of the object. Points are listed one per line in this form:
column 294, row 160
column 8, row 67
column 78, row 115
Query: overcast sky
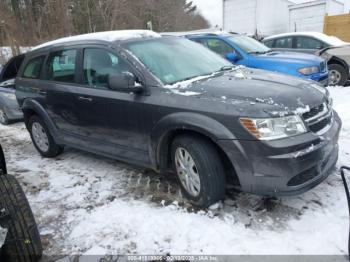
column 212, row 9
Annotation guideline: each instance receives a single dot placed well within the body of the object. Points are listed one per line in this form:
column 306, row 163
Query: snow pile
column 85, row 203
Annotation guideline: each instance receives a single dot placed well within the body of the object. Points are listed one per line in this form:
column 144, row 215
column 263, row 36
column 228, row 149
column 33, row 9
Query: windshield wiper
column 259, row 52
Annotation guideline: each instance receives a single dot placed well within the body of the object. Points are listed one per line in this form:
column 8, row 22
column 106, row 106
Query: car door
column 75, row 109
column 115, row 115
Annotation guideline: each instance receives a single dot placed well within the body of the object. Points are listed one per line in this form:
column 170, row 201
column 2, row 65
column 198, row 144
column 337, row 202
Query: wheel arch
column 31, row 107
column 192, row 124
column 338, row 61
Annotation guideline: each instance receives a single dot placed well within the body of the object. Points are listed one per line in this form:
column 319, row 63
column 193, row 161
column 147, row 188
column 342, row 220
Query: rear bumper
column 287, row 166
column 11, row 108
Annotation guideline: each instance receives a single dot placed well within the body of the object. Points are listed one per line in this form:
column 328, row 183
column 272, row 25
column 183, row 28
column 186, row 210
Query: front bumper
column 321, row 78
column 284, row 167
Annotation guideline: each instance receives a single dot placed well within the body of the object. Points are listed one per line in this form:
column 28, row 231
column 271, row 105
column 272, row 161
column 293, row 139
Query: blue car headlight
column 309, row 70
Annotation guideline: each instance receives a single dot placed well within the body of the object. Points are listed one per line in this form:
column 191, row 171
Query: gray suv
column 172, row 105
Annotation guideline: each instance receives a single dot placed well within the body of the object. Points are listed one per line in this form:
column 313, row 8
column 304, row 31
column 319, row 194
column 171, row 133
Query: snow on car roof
column 213, row 31
column 110, row 36
column 331, row 40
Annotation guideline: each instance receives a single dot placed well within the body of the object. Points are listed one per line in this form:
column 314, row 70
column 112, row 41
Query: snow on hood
column 180, row 87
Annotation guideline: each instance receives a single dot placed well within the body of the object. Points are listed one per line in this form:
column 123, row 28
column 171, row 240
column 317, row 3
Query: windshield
column 177, row 59
column 249, row 45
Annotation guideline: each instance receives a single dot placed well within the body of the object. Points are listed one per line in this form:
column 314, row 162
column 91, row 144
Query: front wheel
column 337, row 75
column 42, row 139
column 199, row 170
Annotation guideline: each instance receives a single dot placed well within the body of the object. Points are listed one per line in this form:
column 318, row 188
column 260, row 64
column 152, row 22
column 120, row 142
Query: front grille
column 303, row 177
column 320, row 125
column 314, row 111
column 318, row 118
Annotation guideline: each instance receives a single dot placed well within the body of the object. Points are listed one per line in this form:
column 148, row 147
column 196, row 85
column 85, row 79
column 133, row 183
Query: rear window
column 33, row 67
column 61, row 66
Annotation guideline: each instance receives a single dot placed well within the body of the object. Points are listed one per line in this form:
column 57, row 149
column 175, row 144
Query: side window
column 219, row 47
column 33, row 67
column 61, row 66
column 269, row 43
column 308, row 43
column 99, row 64
column 286, row 42
column 199, row 41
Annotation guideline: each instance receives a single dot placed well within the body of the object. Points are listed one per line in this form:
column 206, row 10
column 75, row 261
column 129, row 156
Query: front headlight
column 10, row 96
column 274, row 128
column 309, row 70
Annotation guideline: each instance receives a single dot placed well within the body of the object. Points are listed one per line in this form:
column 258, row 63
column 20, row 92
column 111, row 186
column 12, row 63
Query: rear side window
column 33, row 67
column 219, row 47
column 286, row 42
column 61, row 66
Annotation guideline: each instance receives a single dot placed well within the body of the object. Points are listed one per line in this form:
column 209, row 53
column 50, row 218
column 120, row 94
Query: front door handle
column 88, row 99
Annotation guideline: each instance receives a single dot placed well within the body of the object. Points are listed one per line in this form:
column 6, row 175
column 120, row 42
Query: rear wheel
column 3, row 117
column 22, row 241
column 337, row 75
column 199, row 170
column 42, row 139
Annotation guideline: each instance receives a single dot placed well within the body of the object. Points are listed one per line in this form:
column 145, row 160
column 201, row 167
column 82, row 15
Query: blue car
column 246, row 51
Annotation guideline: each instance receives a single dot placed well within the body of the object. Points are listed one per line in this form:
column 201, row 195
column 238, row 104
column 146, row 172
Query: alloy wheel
column 40, row 137
column 334, row 77
column 187, row 171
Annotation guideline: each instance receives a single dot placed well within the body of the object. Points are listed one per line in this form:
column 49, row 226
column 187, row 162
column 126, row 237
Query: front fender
column 187, row 121
column 35, row 106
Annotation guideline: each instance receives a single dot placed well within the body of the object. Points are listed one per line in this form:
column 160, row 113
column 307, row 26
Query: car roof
column 108, row 36
column 331, row 40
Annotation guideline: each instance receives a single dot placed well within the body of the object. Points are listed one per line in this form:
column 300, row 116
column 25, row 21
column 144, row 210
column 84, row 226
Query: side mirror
column 232, row 57
column 124, row 82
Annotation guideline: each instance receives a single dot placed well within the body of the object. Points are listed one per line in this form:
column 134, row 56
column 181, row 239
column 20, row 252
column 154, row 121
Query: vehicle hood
column 287, row 93
column 291, row 58
column 342, row 52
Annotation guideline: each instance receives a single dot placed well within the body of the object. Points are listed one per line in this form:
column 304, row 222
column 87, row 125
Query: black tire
column 3, row 117
column 53, row 149
column 338, row 69
column 209, row 168
column 22, row 241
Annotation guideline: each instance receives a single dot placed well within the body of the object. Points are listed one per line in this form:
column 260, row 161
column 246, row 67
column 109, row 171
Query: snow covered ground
column 88, row 204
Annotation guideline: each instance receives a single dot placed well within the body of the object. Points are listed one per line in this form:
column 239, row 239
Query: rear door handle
column 83, row 98
column 42, row 92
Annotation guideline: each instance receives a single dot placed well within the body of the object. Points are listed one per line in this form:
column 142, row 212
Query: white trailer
column 269, row 17
column 310, row 16
column 265, row 17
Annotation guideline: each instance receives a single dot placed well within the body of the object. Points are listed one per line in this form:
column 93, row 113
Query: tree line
column 30, row 22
